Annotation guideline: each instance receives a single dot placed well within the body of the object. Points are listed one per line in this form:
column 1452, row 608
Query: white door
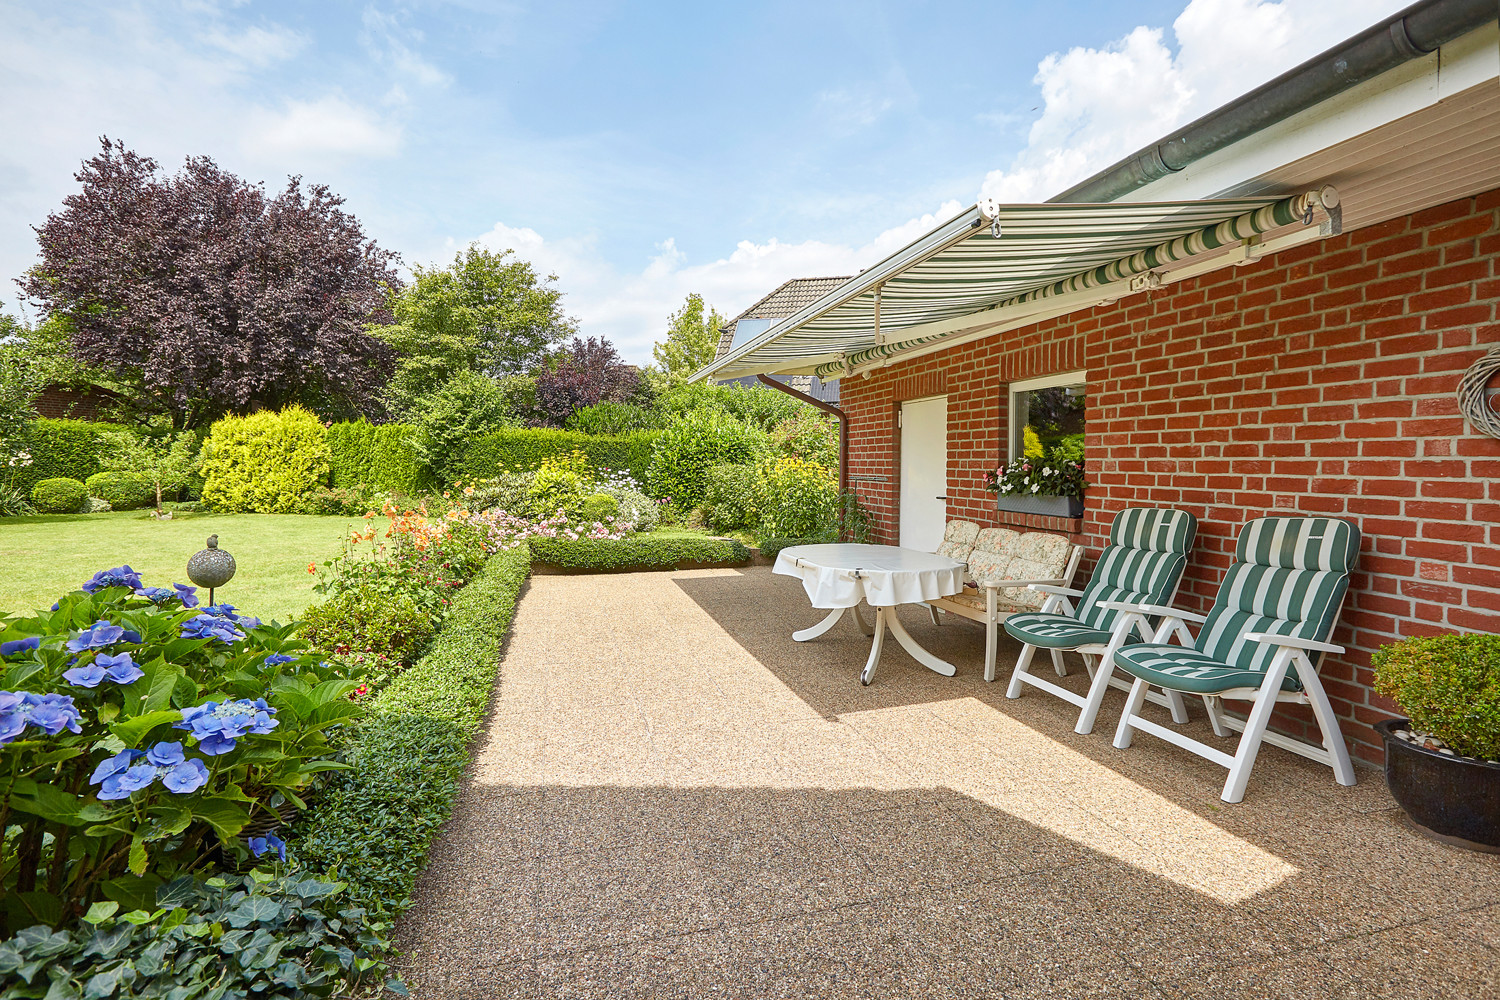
column 924, row 472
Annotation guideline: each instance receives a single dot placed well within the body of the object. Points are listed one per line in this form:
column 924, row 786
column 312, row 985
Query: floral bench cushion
column 1002, row 554
column 958, row 540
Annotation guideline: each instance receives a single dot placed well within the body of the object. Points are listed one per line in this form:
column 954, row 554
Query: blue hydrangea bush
column 145, row 737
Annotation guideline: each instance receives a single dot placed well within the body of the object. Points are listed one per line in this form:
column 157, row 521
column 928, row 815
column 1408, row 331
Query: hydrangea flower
column 90, row 675
column 270, row 842
column 120, row 775
column 232, row 613
column 189, row 595
column 125, row 772
column 120, row 576
column 276, row 658
column 20, row 645
column 217, row 726
column 178, row 774
column 207, row 626
column 119, row 667
column 51, row 713
column 100, row 635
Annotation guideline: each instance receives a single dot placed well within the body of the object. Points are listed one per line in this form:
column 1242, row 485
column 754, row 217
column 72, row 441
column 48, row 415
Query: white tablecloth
column 840, row 576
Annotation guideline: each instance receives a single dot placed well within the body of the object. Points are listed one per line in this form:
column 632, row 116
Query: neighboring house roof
column 788, row 298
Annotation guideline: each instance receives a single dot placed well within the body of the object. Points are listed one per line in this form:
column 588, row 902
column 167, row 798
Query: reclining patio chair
column 1260, row 642
column 1143, row 562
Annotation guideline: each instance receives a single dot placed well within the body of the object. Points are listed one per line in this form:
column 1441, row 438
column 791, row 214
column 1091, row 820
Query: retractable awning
column 1000, row 266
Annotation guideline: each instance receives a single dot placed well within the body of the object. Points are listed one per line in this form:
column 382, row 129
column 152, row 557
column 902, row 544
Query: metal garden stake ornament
column 211, row 568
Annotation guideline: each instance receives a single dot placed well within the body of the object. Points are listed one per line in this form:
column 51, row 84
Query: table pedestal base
column 885, row 618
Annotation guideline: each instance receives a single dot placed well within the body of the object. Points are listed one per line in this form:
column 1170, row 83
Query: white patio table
column 883, row 576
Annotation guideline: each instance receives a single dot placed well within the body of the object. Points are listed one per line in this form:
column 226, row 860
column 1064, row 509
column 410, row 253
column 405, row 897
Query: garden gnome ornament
column 212, row 567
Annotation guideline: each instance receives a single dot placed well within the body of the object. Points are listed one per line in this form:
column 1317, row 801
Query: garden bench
column 1001, row 567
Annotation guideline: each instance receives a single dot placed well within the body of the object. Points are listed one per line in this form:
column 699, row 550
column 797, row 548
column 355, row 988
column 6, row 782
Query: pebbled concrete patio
column 674, row 799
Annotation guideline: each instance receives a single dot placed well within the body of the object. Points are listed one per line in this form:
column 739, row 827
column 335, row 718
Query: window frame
column 1076, row 377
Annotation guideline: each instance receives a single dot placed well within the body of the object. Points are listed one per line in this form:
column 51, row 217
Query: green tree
column 488, row 312
column 692, row 339
column 165, row 462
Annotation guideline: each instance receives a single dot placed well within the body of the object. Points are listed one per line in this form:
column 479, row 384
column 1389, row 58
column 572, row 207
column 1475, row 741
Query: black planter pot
column 1044, row 505
column 1453, row 799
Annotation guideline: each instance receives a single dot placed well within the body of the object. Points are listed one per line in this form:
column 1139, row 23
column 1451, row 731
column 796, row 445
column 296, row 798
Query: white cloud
column 327, row 125
column 631, row 308
column 257, row 46
column 1102, row 104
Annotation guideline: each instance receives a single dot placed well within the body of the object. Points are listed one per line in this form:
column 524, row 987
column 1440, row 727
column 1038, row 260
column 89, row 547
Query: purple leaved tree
column 585, row 372
column 209, row 296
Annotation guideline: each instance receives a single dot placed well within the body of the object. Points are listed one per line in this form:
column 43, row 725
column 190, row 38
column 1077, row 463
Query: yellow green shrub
column 264, row 463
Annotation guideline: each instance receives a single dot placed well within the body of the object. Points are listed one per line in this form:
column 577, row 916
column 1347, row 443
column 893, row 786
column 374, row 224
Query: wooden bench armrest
column 1046, row 587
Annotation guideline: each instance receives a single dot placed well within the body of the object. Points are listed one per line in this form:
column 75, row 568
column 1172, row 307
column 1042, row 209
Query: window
column 1046, row 416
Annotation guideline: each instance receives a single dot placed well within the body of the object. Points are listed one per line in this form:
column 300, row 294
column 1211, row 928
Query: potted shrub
column 1442, row 763
column 1039, row 486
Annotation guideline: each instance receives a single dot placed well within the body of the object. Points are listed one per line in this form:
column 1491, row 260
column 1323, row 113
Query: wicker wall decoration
column 1474, row 394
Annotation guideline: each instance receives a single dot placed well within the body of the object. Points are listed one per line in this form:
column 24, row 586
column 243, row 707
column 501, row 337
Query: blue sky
column 639, row 150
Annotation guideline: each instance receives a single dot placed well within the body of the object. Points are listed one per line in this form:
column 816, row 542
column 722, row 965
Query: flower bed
column 377, row 820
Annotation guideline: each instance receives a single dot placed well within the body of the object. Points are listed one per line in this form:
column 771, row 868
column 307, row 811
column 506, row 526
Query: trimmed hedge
column 59, row 496
column 349, row 453
column 604, row 555
column 375, row 823
column 378, row 455
column 62, row 449
column 123, row 490
column 771, row 547
column 525, row 450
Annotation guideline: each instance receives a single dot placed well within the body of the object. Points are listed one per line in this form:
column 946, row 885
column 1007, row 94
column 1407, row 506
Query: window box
column 1043, row 505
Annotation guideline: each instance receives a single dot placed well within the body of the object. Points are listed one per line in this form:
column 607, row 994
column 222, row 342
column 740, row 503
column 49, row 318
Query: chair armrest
column 1153, row 609
column 1291, row 640
column 1045, row 587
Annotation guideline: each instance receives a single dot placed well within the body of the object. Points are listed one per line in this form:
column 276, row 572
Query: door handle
column 939, row 498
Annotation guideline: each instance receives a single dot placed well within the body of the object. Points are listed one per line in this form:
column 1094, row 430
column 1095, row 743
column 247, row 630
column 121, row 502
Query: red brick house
column 1309, row 367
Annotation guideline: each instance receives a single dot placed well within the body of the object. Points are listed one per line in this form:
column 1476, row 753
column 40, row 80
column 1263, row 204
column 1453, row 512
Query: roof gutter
column 1414, row 32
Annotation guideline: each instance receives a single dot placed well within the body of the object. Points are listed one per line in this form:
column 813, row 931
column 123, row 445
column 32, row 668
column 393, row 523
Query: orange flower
column 312, row 567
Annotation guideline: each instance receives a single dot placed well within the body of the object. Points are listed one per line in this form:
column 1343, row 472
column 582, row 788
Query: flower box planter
column 1452, row 799
column 1043, row 505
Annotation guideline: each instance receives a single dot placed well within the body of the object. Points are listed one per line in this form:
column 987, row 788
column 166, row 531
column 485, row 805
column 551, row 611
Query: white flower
column 1047, row 472
column 1036, row 487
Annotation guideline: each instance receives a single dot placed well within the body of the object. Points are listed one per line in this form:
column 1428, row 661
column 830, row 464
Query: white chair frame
column 1102, row 675
column 1253, row 729
column 992, row 616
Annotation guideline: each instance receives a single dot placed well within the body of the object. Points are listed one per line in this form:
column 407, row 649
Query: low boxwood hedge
column 59, row 496
column 375, row 823
column 603, row 555
column 770, row 547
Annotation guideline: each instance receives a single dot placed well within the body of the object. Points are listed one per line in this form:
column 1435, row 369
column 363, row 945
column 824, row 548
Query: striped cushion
column 1189, row 670
column 1054, row 631
column 1288, row 578
column 958, row 540
column 1143, row 561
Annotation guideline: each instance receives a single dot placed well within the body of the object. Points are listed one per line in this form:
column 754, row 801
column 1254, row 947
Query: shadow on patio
column 675, row 799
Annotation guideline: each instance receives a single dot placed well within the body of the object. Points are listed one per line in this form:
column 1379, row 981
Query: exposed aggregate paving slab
column 674, row 799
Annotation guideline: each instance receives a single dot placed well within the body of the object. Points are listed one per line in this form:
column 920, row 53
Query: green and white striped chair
column 1143, row 562
column 1260, row 642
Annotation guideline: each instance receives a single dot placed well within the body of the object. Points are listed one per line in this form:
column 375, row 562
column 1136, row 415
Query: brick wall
column 1317, row 381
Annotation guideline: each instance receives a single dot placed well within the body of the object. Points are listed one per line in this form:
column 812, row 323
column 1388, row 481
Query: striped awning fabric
column 961, row 269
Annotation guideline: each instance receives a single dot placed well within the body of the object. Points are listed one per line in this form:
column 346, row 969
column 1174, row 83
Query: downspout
column 1410, row 34
column 829, row 408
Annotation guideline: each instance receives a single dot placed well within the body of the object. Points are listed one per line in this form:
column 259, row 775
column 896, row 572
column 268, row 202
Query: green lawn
column 46, row 556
